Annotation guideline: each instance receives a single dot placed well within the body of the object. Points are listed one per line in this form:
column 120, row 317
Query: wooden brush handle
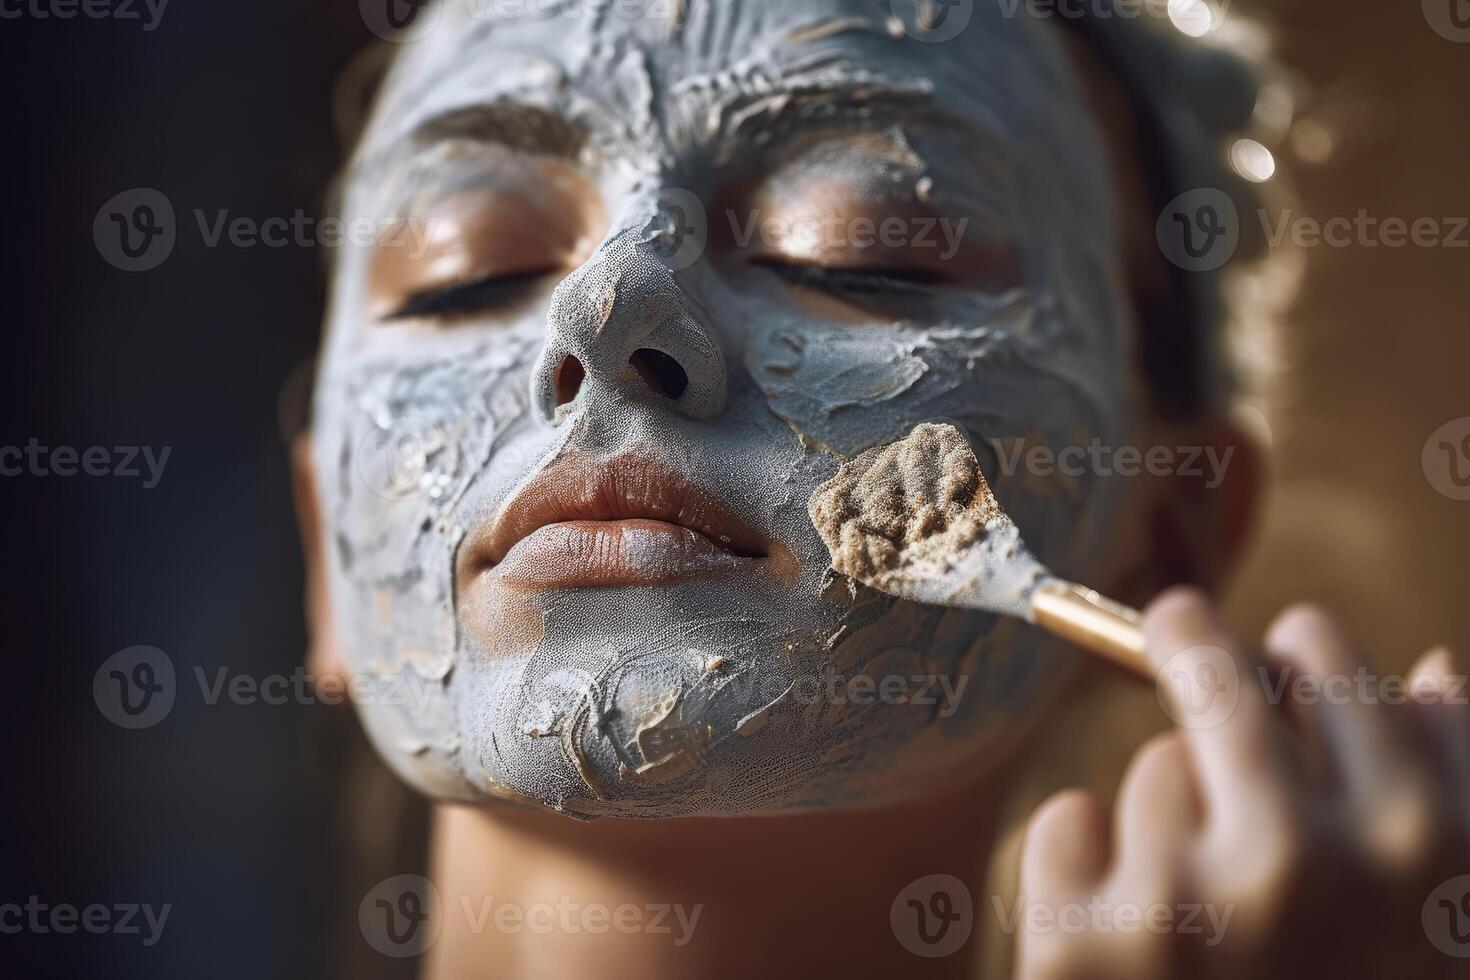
column 1094, row 622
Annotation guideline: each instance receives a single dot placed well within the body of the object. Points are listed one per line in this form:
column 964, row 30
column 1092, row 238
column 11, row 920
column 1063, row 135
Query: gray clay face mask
column 669, row 274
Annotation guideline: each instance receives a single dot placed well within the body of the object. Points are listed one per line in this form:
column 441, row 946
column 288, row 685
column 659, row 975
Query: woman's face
column 650, row 276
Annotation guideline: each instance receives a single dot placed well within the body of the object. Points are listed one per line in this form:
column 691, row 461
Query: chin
column 629, row 705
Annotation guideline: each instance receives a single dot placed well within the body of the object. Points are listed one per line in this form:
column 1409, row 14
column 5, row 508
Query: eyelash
column 467, row 298
column 853, row 282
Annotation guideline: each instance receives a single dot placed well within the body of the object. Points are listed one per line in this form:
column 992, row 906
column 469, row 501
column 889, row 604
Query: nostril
column 569, row 377
column 662, row 373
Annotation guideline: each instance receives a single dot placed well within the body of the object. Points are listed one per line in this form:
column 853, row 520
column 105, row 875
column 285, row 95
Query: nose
column 621, row 325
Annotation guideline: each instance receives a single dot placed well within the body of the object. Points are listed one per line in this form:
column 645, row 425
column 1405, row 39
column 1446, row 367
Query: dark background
column 235, row 815
column 224, row 811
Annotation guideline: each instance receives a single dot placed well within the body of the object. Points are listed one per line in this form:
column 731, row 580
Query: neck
column 536, row 894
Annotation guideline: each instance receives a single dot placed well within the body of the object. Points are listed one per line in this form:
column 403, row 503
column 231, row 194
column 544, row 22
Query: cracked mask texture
column 742, row 692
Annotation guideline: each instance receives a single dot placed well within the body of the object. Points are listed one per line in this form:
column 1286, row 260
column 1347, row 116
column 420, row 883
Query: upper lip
column 626, row 487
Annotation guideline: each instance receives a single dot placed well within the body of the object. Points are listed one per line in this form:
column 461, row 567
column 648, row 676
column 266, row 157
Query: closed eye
column 876, row 281
column 464, row 299
column 496, row 236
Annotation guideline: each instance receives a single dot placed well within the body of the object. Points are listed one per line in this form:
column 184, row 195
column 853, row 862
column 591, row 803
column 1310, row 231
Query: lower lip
column 582, row 554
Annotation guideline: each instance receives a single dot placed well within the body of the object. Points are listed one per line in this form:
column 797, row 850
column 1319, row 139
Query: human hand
column 1297, row 822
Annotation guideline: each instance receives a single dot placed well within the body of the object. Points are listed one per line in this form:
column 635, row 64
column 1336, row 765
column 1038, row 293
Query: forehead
column 672, row 71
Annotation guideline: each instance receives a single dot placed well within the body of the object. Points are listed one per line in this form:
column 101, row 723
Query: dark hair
column 1191, row 99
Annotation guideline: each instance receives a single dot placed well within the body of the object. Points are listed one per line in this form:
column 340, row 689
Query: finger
column 1328, row 683
column 1397, row 805
column 1066, row 849
column 1438, row 690
column 1064, row 855
column 1209, row 686
column 1158, row 818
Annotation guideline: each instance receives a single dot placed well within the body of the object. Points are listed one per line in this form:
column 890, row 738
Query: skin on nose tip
column 623, row 320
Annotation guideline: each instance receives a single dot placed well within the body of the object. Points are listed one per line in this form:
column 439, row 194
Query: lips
column 632, row 520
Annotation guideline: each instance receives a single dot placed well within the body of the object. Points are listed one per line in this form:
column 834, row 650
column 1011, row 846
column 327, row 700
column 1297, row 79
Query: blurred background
column 244, row 818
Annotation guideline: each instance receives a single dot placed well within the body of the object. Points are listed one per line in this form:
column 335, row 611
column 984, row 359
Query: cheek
column 405, row 442
column 401, row 446
column 988, row 370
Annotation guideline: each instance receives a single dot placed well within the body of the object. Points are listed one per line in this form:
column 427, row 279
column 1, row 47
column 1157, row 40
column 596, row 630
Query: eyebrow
column 764, row 119
column 754, row 118
column 514, row 125
column 805, row 92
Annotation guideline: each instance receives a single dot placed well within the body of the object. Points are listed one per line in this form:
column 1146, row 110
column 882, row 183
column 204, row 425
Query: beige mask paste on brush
column 917, row 519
